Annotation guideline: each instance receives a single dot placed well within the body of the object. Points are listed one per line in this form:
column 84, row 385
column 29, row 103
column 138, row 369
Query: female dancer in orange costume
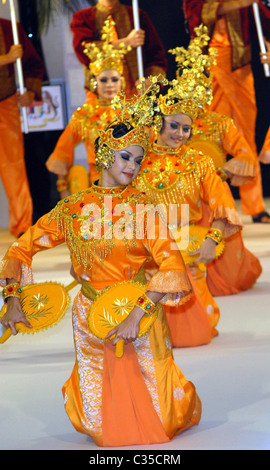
column 142, row 397
column 174, row 174
column 216, row 135
column 106, row 69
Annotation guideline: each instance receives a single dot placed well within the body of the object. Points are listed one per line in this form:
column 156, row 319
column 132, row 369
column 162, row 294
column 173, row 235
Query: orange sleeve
column 220, row 202
column 265, row 151
column 61, row 160
column 170, row 277
column 18, row 258
column 242, row 163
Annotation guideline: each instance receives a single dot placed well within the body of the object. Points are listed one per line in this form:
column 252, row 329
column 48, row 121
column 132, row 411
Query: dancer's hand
column 207, row 252
column 13, row 315
column 128, row 329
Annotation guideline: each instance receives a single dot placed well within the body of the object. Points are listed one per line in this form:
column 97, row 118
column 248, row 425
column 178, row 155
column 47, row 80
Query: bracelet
column 222, row 174
column 11, row 290
column 145, row 304
column 215, row 234
column 61, row 185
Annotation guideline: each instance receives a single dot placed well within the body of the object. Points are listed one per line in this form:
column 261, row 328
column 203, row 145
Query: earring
column 93, row 85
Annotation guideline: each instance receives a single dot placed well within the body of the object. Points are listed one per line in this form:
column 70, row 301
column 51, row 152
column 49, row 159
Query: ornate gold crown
column 184, row 96
column 195, row 61
column 138, row 114
column 106, row 57
column 191, row 89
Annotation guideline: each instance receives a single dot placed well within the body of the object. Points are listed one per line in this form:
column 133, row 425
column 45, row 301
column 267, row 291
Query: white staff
column 18, row 61
column 136, row 20
column 260, row 36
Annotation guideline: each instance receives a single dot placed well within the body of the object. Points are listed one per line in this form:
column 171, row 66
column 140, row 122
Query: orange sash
column 129, row 416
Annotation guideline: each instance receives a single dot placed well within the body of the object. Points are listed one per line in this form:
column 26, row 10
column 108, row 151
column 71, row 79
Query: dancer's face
column 125, row 168
column 108, row 84
column 176, row 130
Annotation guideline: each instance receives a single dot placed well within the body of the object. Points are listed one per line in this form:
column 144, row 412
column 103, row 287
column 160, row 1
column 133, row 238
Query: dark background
column 168, row 19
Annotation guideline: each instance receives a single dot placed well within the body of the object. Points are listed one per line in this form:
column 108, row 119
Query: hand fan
column 210, row 149
column 112, row 306
column 43, row 304
column 195, row 235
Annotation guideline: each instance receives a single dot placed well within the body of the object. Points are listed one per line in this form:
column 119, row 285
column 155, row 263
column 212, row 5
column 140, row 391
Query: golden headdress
column 191, row 89
column 137, row 114
column 194, row 58
column 106, row 57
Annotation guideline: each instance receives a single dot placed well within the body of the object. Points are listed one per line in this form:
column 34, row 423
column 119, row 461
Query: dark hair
column 119, row 130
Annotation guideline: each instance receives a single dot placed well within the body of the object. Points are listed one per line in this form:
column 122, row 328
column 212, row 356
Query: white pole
column 260, row 36
column 18, row 61
column 136, row 20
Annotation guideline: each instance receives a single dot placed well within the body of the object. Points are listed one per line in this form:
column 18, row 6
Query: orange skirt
column 141, row 399
column 194, row 323
column 237, row 269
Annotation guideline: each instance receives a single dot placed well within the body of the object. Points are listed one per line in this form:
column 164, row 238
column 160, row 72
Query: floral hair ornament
column 106, row 57
column 193, row 61
column 139, row 114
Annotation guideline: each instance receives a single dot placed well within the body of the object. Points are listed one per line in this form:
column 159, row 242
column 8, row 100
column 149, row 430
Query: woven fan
column 196, row 235
column 112, row 306
column 43, row 304
column 78, row 179
column 211, row 149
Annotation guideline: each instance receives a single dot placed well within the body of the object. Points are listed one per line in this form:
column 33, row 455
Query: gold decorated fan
column 78, row 179
column 112, row 306
column 189, row 240
column 211, row 149
column 43, row 304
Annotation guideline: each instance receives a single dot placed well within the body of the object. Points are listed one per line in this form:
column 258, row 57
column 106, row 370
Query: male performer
column 86, row 26
column 229, row 23
column 12, row 164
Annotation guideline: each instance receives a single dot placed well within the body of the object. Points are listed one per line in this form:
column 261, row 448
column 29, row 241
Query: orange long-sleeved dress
column 83, row 126
column 185, row 177
column 237, row 269
column 143, row 397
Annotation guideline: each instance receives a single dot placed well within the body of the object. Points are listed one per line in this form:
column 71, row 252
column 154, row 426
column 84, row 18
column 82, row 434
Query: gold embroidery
column 91, row 220
column 179, row 174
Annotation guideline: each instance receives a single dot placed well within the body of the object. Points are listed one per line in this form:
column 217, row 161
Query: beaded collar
column 164, row 149
column 111, row 191
column 169, row 176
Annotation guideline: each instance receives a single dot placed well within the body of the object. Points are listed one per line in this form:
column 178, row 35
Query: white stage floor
column 232, row 374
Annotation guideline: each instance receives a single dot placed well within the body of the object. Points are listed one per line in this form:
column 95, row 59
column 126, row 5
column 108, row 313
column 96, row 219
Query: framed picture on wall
column 50, row 114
